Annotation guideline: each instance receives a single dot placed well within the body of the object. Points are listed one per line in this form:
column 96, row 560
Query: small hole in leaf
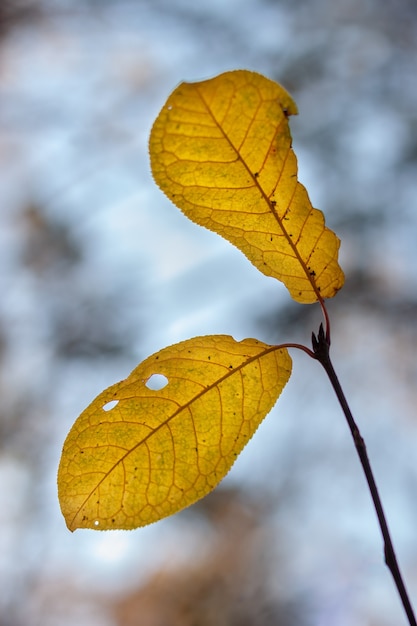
column 96, row 522
column 110, row 405
column 156, row 382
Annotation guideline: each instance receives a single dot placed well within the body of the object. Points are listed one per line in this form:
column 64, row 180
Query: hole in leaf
column 96, row 522
column 110, row 405
column 156, row 382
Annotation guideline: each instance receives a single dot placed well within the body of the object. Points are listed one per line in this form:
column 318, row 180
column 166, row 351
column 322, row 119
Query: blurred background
column 98, row 270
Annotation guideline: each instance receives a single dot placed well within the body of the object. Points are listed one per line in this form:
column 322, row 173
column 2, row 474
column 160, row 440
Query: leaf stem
column 298, row 346
column 326, row 319
column 321, row 347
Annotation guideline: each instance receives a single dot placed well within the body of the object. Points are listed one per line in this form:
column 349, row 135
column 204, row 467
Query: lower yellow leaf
column 138, row 454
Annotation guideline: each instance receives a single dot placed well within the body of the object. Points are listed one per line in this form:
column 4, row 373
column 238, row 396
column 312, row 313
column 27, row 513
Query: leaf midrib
column 254, row 178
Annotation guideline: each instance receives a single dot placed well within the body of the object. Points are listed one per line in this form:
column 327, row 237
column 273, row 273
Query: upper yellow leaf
column 136, row 455
column 221, row 151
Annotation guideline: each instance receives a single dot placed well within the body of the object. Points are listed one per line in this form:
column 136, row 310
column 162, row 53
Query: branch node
column 321, row 344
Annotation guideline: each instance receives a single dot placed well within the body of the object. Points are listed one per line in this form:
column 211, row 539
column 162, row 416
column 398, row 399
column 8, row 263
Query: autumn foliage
column 221, row 151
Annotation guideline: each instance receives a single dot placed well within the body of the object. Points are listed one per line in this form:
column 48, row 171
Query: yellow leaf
column 136, row 455
column 221, row 151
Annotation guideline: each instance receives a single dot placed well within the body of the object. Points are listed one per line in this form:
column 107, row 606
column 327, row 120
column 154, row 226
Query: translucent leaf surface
column 221, row 151
column 137, row 454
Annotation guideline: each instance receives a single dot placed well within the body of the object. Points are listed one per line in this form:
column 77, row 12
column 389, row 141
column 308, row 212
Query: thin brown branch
column 321, row 353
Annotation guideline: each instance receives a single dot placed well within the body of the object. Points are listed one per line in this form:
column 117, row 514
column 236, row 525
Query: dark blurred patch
column 48, row 245
column 18, row 12
column 90, row 325
column 85, row 315
column 230, row 583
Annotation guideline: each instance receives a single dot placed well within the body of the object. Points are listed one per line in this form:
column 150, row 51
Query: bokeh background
column 98, row 270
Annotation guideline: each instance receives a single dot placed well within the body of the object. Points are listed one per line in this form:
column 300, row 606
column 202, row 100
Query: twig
column 321, row 345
